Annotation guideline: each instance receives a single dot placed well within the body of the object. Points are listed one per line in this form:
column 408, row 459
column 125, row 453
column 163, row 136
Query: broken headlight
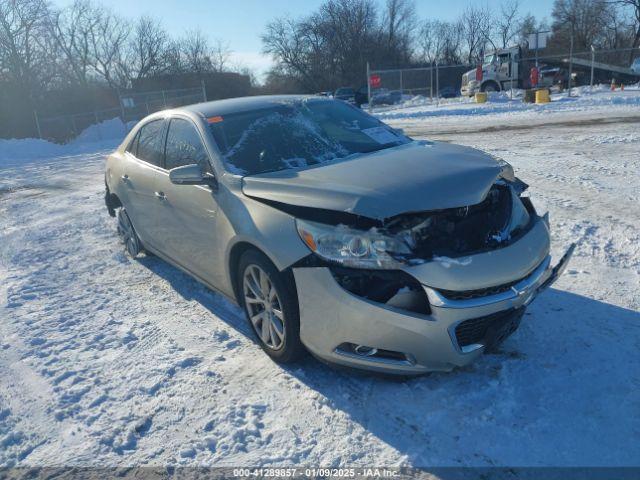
column 519, row 215
column 369, row 249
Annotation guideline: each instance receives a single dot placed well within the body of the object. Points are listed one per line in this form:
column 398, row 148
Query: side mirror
column 191, row 175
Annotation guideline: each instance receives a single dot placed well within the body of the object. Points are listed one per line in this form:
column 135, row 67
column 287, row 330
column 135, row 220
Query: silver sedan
column 337, row 234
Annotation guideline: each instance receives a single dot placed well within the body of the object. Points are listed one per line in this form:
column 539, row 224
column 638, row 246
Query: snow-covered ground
column 109, row 361
column 448, row 115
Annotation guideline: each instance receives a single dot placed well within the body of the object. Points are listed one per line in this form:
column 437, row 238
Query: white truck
column 507, row 68
column 501, row 70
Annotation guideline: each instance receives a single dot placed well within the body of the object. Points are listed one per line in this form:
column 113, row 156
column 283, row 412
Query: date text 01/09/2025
column 315, row 472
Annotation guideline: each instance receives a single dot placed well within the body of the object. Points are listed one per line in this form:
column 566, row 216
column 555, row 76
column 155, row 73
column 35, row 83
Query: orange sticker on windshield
column 214, row 119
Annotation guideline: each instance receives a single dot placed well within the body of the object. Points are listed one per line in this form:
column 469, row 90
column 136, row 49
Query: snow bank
column 502, row 103
column 104, row 135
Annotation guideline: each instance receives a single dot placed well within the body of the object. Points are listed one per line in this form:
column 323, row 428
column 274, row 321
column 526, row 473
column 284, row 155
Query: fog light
column 365, row 351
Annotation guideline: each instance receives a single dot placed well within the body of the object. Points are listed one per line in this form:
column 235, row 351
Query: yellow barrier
column 542, row 96
column 481, row 97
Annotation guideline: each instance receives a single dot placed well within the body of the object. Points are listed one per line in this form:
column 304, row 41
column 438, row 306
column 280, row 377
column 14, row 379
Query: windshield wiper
column 381, row 147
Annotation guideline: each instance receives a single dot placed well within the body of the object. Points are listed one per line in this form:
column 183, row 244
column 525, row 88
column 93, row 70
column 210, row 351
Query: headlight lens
column 351, row 247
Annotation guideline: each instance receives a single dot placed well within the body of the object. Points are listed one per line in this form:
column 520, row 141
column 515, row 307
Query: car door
column 188, row 212
column 143, row 165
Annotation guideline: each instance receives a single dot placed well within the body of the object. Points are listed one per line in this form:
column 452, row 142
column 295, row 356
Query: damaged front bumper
column 343, row 328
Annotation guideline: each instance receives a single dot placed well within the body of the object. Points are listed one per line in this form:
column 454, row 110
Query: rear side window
column 133, row 145
column 184, row 146
column 150, row 143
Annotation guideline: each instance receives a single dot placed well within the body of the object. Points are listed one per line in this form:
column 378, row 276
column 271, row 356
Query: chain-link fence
column 133, row 106
column 502, row 70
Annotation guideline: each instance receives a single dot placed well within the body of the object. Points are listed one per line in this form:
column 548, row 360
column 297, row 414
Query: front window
column 489, row 59
column 184, row 146
column 298, row 134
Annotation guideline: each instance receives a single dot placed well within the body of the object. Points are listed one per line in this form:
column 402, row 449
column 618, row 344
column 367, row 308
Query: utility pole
column 570, row 65
column 204, row 90
column 122, row 112
column 431, row 86
column 593, row 58
column 437, row 85
column 369, row 87
column 35, row 116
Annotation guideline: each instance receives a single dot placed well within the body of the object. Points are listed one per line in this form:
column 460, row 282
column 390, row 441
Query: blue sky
column 241, row 22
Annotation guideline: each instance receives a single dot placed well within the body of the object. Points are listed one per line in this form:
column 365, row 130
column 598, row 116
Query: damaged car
column 337, row 234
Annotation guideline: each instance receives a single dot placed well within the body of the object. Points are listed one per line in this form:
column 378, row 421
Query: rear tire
column 128, row 234
column 270, row 304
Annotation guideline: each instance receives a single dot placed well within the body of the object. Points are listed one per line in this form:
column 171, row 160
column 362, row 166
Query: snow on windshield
column 297, row 135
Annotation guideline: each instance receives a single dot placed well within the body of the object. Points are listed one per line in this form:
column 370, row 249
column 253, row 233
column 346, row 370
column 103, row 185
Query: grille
column 489, row 330
column 481, row 292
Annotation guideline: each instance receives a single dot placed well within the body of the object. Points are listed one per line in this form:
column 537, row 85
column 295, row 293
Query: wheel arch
column 236, row 252
column 112, row 201
column 491, row 82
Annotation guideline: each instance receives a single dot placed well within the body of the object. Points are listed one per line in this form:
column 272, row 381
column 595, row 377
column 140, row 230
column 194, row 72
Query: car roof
column 243, row 104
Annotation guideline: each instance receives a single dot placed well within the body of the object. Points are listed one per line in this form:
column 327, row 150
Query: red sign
column 375, row 81
column 533, row 77
column 479, row 73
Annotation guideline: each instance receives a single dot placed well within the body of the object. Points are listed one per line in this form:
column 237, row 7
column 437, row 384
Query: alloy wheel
column 264, row 307
column 127, row 233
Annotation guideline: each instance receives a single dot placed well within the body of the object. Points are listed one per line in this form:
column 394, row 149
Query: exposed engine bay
column 501, row 217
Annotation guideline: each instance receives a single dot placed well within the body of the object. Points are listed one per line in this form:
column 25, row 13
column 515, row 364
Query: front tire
column 271, row 306
column 490, row 87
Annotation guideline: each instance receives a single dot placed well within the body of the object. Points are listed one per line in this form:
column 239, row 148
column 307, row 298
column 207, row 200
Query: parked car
column 386, row 97
column 362, row 96
column 448, row 92
column 346, row 94
column 335, row 233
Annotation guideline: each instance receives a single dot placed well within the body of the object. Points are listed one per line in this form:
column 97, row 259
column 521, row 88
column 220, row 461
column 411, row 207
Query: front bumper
column 331, row 317
column 470, row 88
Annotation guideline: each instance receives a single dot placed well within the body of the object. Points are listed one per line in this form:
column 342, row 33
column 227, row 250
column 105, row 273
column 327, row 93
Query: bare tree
column 440, row 41
column 73, row 28
column 196, row 51
column 507, row 22
column 108, row 40
column 26, row 58
column 634, row 6
column 399, row 23
column 174, row 61
column 585, row 20
column 476, row 25
column 220, row 54
column 145, row 51
column 284, row 41
column 527, row 26
column 329, row 47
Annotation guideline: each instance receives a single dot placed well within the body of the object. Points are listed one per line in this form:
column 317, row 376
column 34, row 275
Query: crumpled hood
column 418, row 176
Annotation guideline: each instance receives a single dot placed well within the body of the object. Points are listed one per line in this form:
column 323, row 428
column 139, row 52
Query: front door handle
column 125, row 178
column 160, row 196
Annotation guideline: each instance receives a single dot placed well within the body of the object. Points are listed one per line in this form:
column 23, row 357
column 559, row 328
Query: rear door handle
column 160, row 196
column 125, row 178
